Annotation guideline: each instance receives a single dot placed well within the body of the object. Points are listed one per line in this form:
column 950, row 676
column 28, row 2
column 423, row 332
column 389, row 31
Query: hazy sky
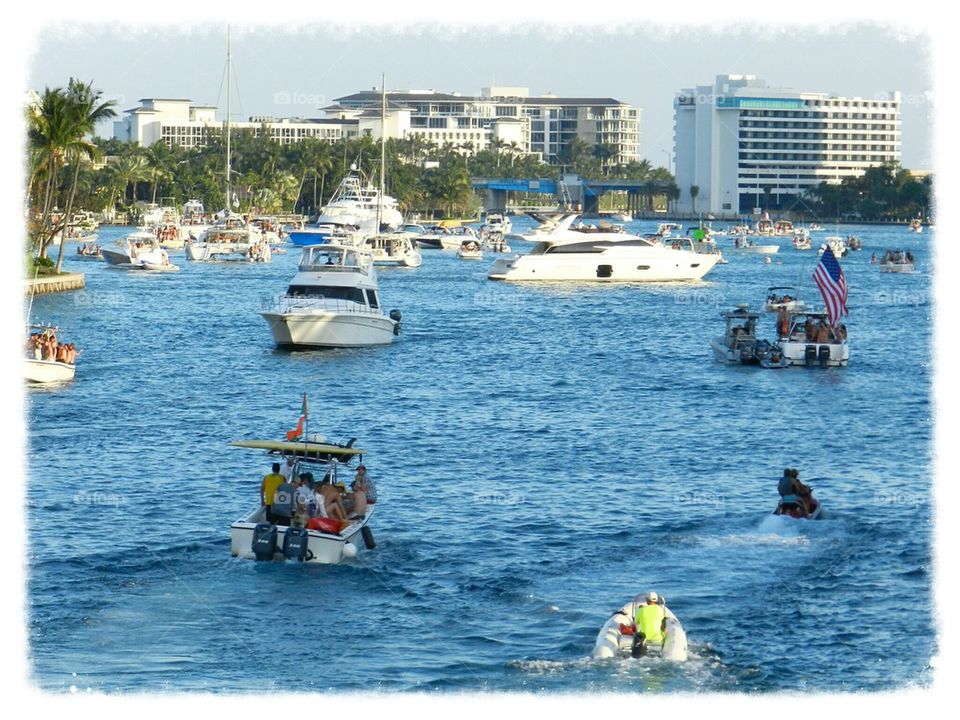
column 280, row 73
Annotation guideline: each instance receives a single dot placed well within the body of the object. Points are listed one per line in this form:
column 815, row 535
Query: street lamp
column 667, row 153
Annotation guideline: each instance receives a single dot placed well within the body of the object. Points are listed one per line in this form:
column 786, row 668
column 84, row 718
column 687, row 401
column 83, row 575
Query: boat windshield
column 327, row 292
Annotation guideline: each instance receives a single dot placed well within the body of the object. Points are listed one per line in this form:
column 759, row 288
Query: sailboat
column 230, row 237
column 396, row 248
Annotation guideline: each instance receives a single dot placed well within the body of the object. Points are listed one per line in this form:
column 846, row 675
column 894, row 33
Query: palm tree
column 694, row 191
column 86, row 111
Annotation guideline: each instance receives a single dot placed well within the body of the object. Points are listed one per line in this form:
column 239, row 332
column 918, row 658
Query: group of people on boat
column 167, row 233
column 819, row 332
column 896, row 257
column 293, row 499
column 44, row 346
column 88, row 249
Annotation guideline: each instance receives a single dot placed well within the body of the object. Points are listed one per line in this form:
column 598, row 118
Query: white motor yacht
column 319, row 539
column 811, row 342
column 496, row 222
column 801, row 239
column 618, row 637
column 230, row 238
column 332, row 301
column 783, row 297
column 139, row 251
column 592, row 254
column 396, row 249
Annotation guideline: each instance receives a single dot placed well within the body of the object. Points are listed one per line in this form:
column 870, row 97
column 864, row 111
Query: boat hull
column 896, row 268
column 611, row 642
column 668, row 266
column 796, row 353
column 42, row 372
column 329, row 329
column 322, row 548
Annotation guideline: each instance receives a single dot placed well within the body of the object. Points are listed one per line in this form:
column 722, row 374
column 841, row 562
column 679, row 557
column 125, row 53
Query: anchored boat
column 319, row 540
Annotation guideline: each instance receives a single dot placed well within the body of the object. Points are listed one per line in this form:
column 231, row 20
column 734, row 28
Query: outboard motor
column 264, row 543
column 810, row 355
column 367, row 535
column 396, row 316
column 295, row 544
column 639, row 647
column 823, row 355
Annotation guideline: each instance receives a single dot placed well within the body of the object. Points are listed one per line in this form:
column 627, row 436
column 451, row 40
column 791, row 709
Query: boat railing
column 290, row 303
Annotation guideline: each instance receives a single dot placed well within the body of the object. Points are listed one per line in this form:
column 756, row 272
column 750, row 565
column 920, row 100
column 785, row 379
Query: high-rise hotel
column 747, row 146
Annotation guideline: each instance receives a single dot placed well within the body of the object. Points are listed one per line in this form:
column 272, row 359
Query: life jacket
column 649, row 620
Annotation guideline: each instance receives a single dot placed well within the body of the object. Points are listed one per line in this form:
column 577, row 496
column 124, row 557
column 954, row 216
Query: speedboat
column 811, row 342
column 815, row 227
column 743, row 244
column 618, row 637
column 321, row 539
column 470, row 250
column 740, row 345
column 801, row 239
column 782, row 297
column 332, row 301
column 837, row 244
column 231, row 238
column 915, row 225
column 47, row 360
column 139, row 251
column 394, row 249
column 89, row 251
column 496, row 222
column 598, row 255
column 441, row 237
column 668, row 229
column 495, row 243
column 356, row 205
column 792, row 506
column 897, row 261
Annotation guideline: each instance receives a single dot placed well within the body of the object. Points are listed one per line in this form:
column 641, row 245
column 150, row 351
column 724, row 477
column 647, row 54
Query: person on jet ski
column 650, row 621
column 790, row 484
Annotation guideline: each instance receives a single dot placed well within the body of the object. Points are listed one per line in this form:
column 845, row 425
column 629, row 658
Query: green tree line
column 884, row 192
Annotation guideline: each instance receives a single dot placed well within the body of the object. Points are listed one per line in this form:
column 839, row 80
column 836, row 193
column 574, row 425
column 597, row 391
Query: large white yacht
column 139, row 250
column 593, row 254
column 230, row 238
column 352, row 209
column 332, row 301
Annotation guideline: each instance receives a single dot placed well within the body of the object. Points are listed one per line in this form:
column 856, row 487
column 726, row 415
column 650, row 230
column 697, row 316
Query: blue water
column 542, row 454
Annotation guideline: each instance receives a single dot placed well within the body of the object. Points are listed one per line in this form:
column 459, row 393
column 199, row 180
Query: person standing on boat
column 289, row 468
column 783, row 322
column 283, row 503
column 650, row 621
column 268, row 487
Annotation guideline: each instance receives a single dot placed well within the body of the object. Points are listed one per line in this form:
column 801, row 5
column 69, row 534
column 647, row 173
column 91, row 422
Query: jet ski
column 618, row 638
column 792, row 506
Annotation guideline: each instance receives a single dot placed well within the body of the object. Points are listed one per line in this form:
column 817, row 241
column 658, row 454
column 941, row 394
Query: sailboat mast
column 383, row 146
column 227, row 184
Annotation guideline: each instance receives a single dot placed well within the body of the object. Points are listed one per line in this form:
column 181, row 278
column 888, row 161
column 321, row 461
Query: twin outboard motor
column 396, row 316
column 264, row 543
column 810, row 355
column 295, row 544
column 823, row 355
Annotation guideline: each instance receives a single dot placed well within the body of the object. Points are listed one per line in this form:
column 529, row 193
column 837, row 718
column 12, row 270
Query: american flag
column 829, row 278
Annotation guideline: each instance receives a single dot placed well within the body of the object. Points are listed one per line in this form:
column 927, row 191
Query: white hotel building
column 748, row 146
column 541, row 124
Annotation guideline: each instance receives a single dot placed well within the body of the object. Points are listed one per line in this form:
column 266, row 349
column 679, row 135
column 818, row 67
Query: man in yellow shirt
column 651, row 625
column 271, row 481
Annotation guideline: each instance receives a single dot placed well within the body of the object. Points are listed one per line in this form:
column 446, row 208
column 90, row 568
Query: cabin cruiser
column 332, row 301
column 230, row 238
column 394, row 249
column 470, row 250
column 811, row 342
column 801, row 239
column 496, row 222
column 441, row 237
column 740, row 345
column 316, row 539
column 48, row 360
column 782, row 297
column 618, row 637
column 139, row 251
column 356, row 206
column 837, row 244
column 743, row 244
column 603, row 256
column 897, row 261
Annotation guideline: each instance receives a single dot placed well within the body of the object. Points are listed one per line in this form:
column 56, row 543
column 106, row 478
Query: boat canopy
column 308, row 451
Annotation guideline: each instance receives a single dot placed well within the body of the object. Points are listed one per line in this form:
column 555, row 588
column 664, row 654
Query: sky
column 281, row 72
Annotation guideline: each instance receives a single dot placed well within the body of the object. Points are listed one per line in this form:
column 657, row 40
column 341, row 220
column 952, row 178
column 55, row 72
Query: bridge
column 568, row 189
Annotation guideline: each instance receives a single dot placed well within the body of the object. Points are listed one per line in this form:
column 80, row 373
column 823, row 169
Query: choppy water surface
column 542, row 453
